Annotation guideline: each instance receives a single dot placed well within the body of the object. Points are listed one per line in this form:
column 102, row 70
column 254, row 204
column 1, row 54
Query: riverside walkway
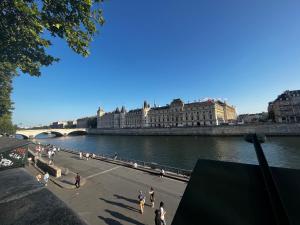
column 109, row 195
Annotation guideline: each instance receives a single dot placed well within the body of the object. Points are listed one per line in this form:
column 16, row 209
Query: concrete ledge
column 269, row 129
column 51, row 169
column 43, row 165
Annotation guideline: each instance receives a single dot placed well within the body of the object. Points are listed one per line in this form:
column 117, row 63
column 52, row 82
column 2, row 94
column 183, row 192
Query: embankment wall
column 238, row 130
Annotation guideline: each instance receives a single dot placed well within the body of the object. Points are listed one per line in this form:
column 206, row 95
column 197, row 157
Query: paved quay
column 109, row 195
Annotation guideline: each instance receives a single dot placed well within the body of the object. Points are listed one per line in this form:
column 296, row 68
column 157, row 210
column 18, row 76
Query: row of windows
column 183, row 124
column 153, row 119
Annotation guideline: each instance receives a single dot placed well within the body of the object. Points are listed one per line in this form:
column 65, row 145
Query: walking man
column 77, row 181
column 162, row 213
column 46, row 178
column 162, row 173
column 151, row 192
column 157, row 217
column 142, row 200
column 80, row 155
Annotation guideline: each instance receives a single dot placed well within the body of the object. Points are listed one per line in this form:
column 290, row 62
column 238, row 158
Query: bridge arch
column 57, row 134
column 23, row 135
column 77, row 132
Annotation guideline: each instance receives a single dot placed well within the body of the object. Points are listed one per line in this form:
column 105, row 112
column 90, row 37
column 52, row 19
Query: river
column 184, row 151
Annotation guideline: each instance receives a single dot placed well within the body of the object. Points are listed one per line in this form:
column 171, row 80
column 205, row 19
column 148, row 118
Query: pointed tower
column 100, row 113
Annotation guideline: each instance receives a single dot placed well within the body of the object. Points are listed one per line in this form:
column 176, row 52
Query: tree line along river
column 183, row 151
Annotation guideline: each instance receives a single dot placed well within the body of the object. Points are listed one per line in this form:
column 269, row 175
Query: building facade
column 87, row 122
column 286, row 107
column 58, row 124
column 175, row 114
column 253, row 118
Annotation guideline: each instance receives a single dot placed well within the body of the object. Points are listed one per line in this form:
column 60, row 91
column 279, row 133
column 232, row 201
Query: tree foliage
column 5, row 90
column 6, row 126
column 26, row 27
column 23, row 25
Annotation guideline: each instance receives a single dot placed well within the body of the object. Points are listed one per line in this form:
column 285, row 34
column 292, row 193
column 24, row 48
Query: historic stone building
column 177, row 114
column 286, row 107
column 137, row 117
column 87, row 122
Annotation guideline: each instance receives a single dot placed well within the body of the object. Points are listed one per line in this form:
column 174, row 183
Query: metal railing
column 149, row 165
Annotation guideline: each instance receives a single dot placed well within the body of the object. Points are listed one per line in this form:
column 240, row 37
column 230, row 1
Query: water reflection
column 184, row 151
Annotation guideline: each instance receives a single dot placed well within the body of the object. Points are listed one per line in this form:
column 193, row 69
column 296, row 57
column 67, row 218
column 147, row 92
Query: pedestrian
column 157, row 217
column 46, row 178
column 142, row 200
column 80, row 155
column 52, row 155
column 49, row 154
column 35, row 160
column 77, row 180
column 151, row 192
column 162, row 172
column 87, row 155
column 115, row 156
column 162, row 213
column 39, row 177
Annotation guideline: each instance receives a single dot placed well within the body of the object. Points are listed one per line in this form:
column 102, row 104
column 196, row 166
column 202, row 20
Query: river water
column 184, row 151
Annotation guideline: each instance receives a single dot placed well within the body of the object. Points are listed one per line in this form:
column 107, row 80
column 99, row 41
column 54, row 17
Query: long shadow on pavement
column 120, row 205
column 123, row 217
column 76, row 157
column 127, row 199
column 109, row 221
column 130, row 200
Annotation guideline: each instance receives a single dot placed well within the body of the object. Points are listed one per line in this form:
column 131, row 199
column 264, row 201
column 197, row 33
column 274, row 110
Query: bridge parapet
column 57, row 132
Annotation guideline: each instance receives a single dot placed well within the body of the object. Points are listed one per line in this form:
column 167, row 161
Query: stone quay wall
column 237, row 130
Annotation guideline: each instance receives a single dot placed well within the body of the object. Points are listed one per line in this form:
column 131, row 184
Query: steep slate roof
column 161, row 107
column 208, row 102
column 286, row 94
column 134, row 110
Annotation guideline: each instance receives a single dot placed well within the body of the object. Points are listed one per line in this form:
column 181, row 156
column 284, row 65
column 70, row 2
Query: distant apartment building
column 286, row 107
column 253, row 118
column 175, row 114
column 71, row 124
column 58, row 124
column 87, row 122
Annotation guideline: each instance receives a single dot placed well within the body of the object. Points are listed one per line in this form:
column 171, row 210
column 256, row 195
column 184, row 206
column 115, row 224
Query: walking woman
column 142, row 200
column 162, row 213
column 151, row 193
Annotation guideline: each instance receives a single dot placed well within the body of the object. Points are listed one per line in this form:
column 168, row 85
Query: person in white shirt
column 49, row 154
column 162, row 213
column 46, row 178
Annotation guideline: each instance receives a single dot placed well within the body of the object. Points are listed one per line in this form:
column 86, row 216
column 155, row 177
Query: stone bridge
column 57, row 132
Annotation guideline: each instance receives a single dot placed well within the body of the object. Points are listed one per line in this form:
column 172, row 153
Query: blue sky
column 247, row 52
